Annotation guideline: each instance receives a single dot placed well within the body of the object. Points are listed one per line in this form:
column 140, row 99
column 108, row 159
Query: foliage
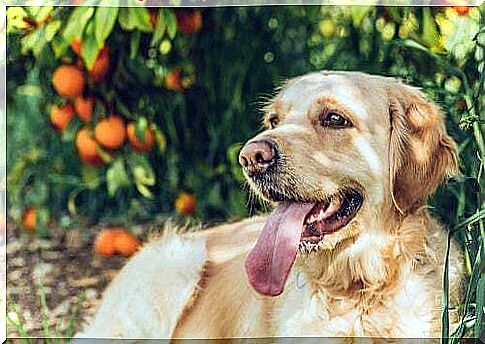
column 194, row 78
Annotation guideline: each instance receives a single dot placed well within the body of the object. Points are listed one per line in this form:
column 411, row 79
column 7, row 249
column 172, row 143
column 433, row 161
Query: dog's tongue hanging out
column 270, row 261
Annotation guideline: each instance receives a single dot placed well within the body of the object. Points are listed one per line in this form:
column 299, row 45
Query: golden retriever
column 348, row 160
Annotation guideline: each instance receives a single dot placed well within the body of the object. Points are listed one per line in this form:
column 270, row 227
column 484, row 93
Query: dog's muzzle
column 258, row 156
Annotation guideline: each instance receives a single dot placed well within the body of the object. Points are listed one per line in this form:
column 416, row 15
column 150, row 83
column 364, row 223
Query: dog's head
column 339, row 147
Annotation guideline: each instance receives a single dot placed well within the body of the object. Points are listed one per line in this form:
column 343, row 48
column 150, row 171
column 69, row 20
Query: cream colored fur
column 380, row 276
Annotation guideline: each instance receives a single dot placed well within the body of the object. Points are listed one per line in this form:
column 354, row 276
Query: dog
column 348, row 160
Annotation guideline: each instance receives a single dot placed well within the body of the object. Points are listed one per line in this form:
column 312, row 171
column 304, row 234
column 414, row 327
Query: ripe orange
column 68, row 81
column 126, row 243
column 461, row 10
column 137, row 144
column 189, row 22
column 87, row 148
column 84, row 108
column 77, row 46
column 29, row 219
column 174, row 81
column 61, row 116
column 186, row 203
column 101, row 66
column 110, row 132
column 105, row 242
column 116, row 240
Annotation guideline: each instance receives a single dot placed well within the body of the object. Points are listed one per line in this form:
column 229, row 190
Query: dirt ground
column 73, row 277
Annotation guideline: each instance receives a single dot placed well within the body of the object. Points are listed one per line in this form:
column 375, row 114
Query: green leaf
column 90, row 51
column 142, row 172
column 77, row 22
column 71, row 202
column 445, row 296
column 478, row 328
column 15, row 19
column 107, row 158
column 472, row 284
column 91, row 176
column 134, row 44
column 69, row 133
column 160, row 29
column 144, row 190
column 135, row 18
column 140, row 128
column 358, row 13
column 415, row 45
column 59, row 46
column 51, row 29
column 34, row 41
column 116, row 177
column 90, row 28
column 124, row 20
column 159, row 138
column 142, row 19
column 122, row 109
column 40, row 13
column 430, row 35
column 104, row 22
column 171, row 22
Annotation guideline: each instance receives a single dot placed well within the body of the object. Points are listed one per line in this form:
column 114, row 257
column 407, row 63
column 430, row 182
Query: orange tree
column 119, row 110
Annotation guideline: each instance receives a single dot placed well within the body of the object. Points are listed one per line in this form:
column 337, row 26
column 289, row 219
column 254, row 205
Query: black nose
column 257, row 156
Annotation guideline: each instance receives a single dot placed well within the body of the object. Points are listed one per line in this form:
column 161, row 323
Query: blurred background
column 121, row 118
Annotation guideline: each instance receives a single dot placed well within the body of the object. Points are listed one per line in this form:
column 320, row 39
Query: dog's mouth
column 329, row 216
column 291, row 226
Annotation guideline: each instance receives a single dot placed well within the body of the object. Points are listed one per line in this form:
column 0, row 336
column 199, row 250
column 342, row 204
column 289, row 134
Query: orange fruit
column 87, row 148
column 105, row 242
column 110, row 132
column 186, row 203
column 126, row 243
column 101, row 66
column 461, row 10
column 189, row 22
column 29, row 219
column 68, row 81
column 116, row 240
column 84, row 108
column 136, row 143
column 77, row 46
column 174, row 81
column 61, row 116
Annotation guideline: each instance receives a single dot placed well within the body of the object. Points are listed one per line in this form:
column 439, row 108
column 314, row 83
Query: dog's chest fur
column 388, row 293
column 304, row 310
column 311, row 311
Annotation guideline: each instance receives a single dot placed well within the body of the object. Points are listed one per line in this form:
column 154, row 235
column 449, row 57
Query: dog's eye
column 273, row 122
column 334, row 120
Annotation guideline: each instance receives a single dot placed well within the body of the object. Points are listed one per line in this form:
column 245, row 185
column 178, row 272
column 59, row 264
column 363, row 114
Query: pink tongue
column 270, row 261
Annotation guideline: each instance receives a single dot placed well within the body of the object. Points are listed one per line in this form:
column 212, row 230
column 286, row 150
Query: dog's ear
column 421, row 153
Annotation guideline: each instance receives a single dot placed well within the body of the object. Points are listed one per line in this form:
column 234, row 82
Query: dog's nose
column 257, row 156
